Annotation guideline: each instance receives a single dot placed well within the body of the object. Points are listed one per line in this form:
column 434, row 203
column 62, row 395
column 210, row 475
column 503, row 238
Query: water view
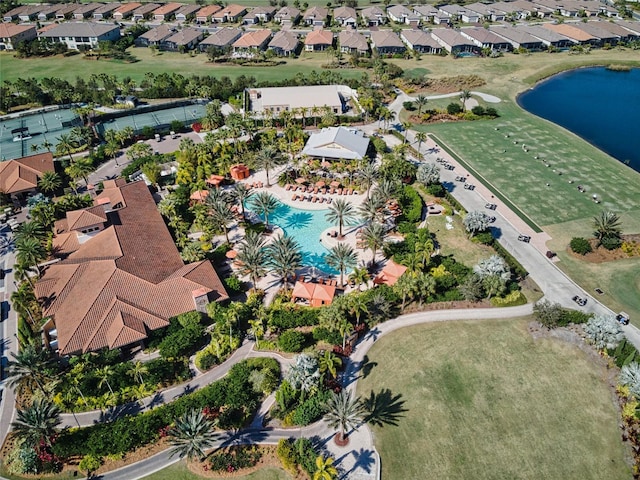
column 598, row 104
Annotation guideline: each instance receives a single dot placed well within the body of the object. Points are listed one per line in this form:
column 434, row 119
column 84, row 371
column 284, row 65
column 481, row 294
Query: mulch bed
column 437, row 118
column 602, row 255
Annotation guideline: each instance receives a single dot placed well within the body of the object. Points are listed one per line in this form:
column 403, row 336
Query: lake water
column 599, row 105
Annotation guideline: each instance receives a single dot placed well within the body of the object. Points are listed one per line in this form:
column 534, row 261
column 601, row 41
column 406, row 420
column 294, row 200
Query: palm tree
column 192, row 434
column 406, row 286
column 329, row 363
column 368, row 175
column 373, row 236
column 372, row 209
column 137, row 370
column 341, row 257
column 607, row 225
column 220, row 214
column 65, row 144
column 359, row 276
column 37, row 422
column 104, row 374
column 30, row 252
column 81, row 168
column 33, row 229
column 421, row 102
column 343, row 413
column 112, row 148
column 253, row 256
column 285, row 257
column 420, row 137
column 426, row 286
column 357, row 304
column 47, row 145
column 325, row 469
column 464, row 96
column 264, row 203
column 49, row 182
column 30, row 369
column 241, row 194
column 268, row 157
column 406, row 126
column 34, row 147
column 340, row 212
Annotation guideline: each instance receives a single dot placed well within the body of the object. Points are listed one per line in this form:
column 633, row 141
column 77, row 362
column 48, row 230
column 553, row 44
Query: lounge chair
column 344, row 191
column 323, row 191
column 329, row 200
column 339, row 191
column 287, row 187
column 314, row 199
column 350, row 191
column 322, row 199
column 315, row 190
column 331, row 191
column 294, row 197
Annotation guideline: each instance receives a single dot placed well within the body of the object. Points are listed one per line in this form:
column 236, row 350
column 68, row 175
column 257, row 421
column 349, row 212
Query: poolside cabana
column 239, row 172
column 322, row 295
column 302, row 290
column 390, row 274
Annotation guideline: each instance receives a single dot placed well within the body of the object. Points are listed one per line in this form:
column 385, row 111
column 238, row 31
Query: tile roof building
column 346, row 16
column 221, row 38
column 420, row 41
column 252, row 40
column 387, row 42
column 11, row 35
column 205, row 13
column 315, row 16
column 373, row 16
column 351, row 41
column 284, row 43
column 318, row 40
column 21, row 175
column 186, row 39
column 121, row 275
column 287, row 15
column 82, row 34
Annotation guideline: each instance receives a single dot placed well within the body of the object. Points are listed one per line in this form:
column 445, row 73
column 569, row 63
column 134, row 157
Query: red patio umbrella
column 231, row 254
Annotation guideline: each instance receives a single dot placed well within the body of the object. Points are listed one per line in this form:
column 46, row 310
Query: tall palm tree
column 341, row 212
column 373, row 236
column 241, row 194
column 30, row 369
column 343, row 413
column 191, row 435
column 421, row 102
column 253, row 256
column 325, row 469
column 421, row 137
column 49, row 182
column 34, row 147
column 30, row 252
column 342, row 257
column 80, row 169
column 464, row 96
column 357, row 305
column 137, row 371
column 372, row 209
column 32, row 229
column 47, row 145
column 104, row 374
column 359, row 276
column 268, row 158
column 607, row 225
column 407, row 287
column 112, row 148
column 284, row 257
column 220, row 214
column 329, row 363
column 265, row 204
column 406, row 126
column 426, row 286
column 368, row 175
column 37, row 422
column 65, row 144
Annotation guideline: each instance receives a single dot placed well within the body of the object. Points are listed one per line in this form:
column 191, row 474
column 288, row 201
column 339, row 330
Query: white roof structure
column 337, row 142
column 278, row 99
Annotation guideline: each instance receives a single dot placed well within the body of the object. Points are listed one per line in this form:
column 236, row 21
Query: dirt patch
column 602, row 255
column 449, row 84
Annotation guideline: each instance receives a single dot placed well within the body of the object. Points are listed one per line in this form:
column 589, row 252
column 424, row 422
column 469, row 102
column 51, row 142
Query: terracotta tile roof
column 23, row 173
column 78, row 219
column 127, row 7
column 9, row 30
column 208, row 11
column 253, row 39
column 167, row 8
column 122, row 282
column 319, row 37
column 570, row 31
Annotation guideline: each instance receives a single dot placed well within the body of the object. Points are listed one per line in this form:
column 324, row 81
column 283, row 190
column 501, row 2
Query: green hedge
column 287, row 316
column 411, row 203
column 514, row 265
column 234, row 392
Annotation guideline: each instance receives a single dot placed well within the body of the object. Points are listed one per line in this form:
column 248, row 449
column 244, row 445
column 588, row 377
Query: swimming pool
column 305, row 226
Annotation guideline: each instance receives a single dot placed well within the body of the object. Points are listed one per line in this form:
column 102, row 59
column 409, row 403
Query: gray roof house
column 633, row 27
column 186, row 39
column 187, row 12
column 337, row 143
column 484, row 38
column 519, row 38
column 516, row 10
column 85, row 11
column 351, row 41
column 29, row 13
column 345, row 16
column 316, row 16
column 373, row 16
column 65, row 12
column 547, row 37
column 604, row 35
column 13, row 14
column 487, row 11
column 82, row 34
column 453, row 42
column 155, row 36
column 287, row 15
column 284, row 43
column 259, row 14
column 401, row 14
column 426, row 13
column 420, row 41
column 105, row 11
column 221, row 38
column 145, row 11
column 625, row 35
column 462, row 13
column 387, row 42
column 47, row 12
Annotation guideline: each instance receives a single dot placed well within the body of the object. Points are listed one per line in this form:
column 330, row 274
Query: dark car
column 579, row 300
column 490, row 206
column 469, row 186
column 492, row 219
column 524, row 238
column 623, row 318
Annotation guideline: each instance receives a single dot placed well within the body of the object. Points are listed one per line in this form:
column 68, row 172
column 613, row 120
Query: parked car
column 524, row 238
column 490, row 206
column 492, row 219
column 579, row 300
column 623, row 318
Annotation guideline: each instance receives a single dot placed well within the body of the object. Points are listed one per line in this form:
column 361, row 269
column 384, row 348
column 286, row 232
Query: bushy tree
column 547, row 313
column 291, row 341
column 494, row 265
column 428, row 174
column 476, row 222
column 603, row 331
column 580, row 245
column 304, row 374
column 630, row 376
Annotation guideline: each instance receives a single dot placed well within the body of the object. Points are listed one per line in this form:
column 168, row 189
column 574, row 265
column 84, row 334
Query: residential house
column 351, row 41
column 13, row 14
column 105, row 11
column 183, row 40
column 456, row 12
column 453, row 42
column 120, row 275
column 155, row 37
column 85, row 11
column 624, row 34
column 78, row 35
column 345, row 16
column 519, row 38
column 484, row 38
column 337, row 143
column 516, row 10
column 11, row 35
column 222, row 38
column 487, row 12
column 307, row 100
column 420, row 41
column 284, row 43
column 633, row 27
column 251, row 42
column 441, row 19
column 166, row 12
column 593, row 28
column 401, row 14
column 259, row 15
column 186, row 13
column 287, row 16
column 204, row 15
column 29, row 13
column 315, row 16
column 575, row 34
column 19, row 177
column 387, row 42
column 425, row 13
column 145, row 11
column 548, row 37
column 229, row 14
column 47, row 12
column 373, row 16
column 125, row 10
column 608, row 10
column 318, row 40
column 65, row 12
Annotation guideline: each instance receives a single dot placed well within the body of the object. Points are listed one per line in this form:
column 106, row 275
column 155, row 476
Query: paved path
column 8, row 329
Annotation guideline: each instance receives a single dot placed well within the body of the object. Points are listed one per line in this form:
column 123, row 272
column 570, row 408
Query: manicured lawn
column 485, row 401
column 179, row 471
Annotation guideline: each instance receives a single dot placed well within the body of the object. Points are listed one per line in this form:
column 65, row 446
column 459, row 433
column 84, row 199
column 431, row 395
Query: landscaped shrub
column 574, row 316
column 291, row 341
column 624, row 353
column 411, row 204
column 182, row 343
column 311, row 409
column 611, row 243
column 485, row 238
column 515, row 266
column 435, row 189
column 233, row 285
column 580, row 245
column 299, row 452
column 325, row 335
column 512, row 299
column 454, row 203
column 165, row 372
column 286, row 454
column 286, row 316
column 454, row 108
column 235, row 458
column 478, row 110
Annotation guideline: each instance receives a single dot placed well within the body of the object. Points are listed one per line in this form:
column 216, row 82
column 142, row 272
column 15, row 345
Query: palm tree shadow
column 358, row 370
column 297, row 220
column 384, row 408
column 364, row 460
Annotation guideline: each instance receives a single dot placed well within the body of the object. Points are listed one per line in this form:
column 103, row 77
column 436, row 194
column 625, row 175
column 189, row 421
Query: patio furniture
column 287, row 187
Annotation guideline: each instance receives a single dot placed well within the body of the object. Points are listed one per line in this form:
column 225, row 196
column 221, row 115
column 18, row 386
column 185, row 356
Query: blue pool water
column 305, row 226
column 597, row 104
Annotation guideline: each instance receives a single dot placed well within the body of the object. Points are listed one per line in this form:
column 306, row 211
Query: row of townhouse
column 315, row 16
